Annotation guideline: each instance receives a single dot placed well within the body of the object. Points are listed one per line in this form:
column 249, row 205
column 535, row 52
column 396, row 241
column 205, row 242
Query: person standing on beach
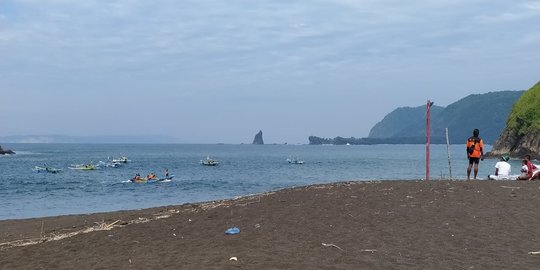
column 475, row 152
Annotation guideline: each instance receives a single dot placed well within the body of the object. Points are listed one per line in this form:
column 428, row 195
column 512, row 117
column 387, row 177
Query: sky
column 207, row 71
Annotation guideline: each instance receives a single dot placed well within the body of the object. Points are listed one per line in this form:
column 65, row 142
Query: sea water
column 243, row 170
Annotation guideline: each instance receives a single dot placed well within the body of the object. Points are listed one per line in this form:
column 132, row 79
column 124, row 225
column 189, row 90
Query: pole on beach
column 448, row 151
column 428, row 135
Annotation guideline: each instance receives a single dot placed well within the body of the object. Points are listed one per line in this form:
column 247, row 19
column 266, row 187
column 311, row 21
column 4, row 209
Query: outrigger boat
column 110, row 164
column 123, row 159
column 46, row 169
column 295, row 160
column 209, row 161
column 84, row 167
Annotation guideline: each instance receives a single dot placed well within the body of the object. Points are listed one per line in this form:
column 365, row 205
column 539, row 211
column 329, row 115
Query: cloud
column 220, row 51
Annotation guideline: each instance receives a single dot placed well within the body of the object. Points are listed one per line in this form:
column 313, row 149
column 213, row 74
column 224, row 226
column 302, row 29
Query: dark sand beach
column 352, row 225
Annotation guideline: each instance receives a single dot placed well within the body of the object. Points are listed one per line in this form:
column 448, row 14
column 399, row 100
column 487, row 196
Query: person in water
column 166, row 172
column 475, row 152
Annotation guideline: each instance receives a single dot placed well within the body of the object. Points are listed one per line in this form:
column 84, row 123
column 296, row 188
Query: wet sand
column 352, row 225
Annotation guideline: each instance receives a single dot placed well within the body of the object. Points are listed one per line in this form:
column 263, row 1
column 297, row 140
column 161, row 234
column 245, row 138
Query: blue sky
column 220, row 71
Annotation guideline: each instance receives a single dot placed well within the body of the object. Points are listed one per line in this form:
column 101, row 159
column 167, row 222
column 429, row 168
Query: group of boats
column 152, row 177
column 112, row 163
column 213, row 162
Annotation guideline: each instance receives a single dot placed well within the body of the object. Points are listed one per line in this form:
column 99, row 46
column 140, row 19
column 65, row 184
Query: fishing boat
column 110, row 164
column 209, row 161
column 46, row 169
column 295, row 160
column 84, row 167
column 122, row 159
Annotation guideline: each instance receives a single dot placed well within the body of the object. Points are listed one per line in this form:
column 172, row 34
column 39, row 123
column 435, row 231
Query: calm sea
column 243, row 169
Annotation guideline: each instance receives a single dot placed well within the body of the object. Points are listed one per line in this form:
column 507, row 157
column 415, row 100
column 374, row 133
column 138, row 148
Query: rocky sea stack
column 258, row 138
column 5, row 151
column 522, row 133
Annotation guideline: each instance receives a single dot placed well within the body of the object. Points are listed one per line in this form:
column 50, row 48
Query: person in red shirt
column 532, row 170
column 475, row 152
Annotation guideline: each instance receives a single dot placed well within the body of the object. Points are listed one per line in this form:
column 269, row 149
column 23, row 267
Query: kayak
column 147, row 180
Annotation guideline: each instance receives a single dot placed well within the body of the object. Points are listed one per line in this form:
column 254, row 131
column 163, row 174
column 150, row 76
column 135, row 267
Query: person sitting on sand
column 532, row 170
column 502, row 169
column 524, row 171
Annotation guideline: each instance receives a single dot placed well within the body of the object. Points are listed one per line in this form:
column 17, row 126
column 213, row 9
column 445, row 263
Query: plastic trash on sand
column 232, row 230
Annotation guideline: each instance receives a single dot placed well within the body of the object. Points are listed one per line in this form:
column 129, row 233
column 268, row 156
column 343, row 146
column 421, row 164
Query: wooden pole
column 428, row 136
column 448, row 151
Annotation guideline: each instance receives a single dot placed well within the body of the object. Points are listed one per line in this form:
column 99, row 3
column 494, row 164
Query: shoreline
column 441, row 224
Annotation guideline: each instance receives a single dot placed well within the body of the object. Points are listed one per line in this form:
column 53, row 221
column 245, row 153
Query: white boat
column 295, row 160
column 209, row 161
column 123, row 159
column 46, row 169
column 110, row 164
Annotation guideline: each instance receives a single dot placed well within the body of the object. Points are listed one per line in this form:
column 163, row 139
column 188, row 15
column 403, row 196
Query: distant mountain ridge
column 396, row 123
column 487, row 112
column 89, row 139
column 407, row 125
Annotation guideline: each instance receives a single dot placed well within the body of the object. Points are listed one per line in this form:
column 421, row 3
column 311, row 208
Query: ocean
column 243, row 170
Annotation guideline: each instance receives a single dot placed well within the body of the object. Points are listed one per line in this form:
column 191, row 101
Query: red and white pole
column 428, row 136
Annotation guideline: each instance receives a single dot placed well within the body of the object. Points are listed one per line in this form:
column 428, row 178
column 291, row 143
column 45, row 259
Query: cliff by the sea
column 6, row 151
column 522, row 133
column 258, row 138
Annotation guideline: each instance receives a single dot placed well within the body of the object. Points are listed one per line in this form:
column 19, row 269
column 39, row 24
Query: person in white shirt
column 502, row 169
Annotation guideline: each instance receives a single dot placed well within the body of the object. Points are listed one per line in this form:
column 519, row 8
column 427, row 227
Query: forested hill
column 522, row 132
column 394, row 123
column 487, row 112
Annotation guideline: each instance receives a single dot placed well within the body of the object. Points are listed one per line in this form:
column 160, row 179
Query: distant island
column 369, row 141
column 407, row 125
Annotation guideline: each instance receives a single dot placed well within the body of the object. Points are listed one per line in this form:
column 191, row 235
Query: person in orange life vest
column 475, row 152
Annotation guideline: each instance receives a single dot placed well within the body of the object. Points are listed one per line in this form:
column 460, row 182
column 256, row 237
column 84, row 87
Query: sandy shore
column 353, row 225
